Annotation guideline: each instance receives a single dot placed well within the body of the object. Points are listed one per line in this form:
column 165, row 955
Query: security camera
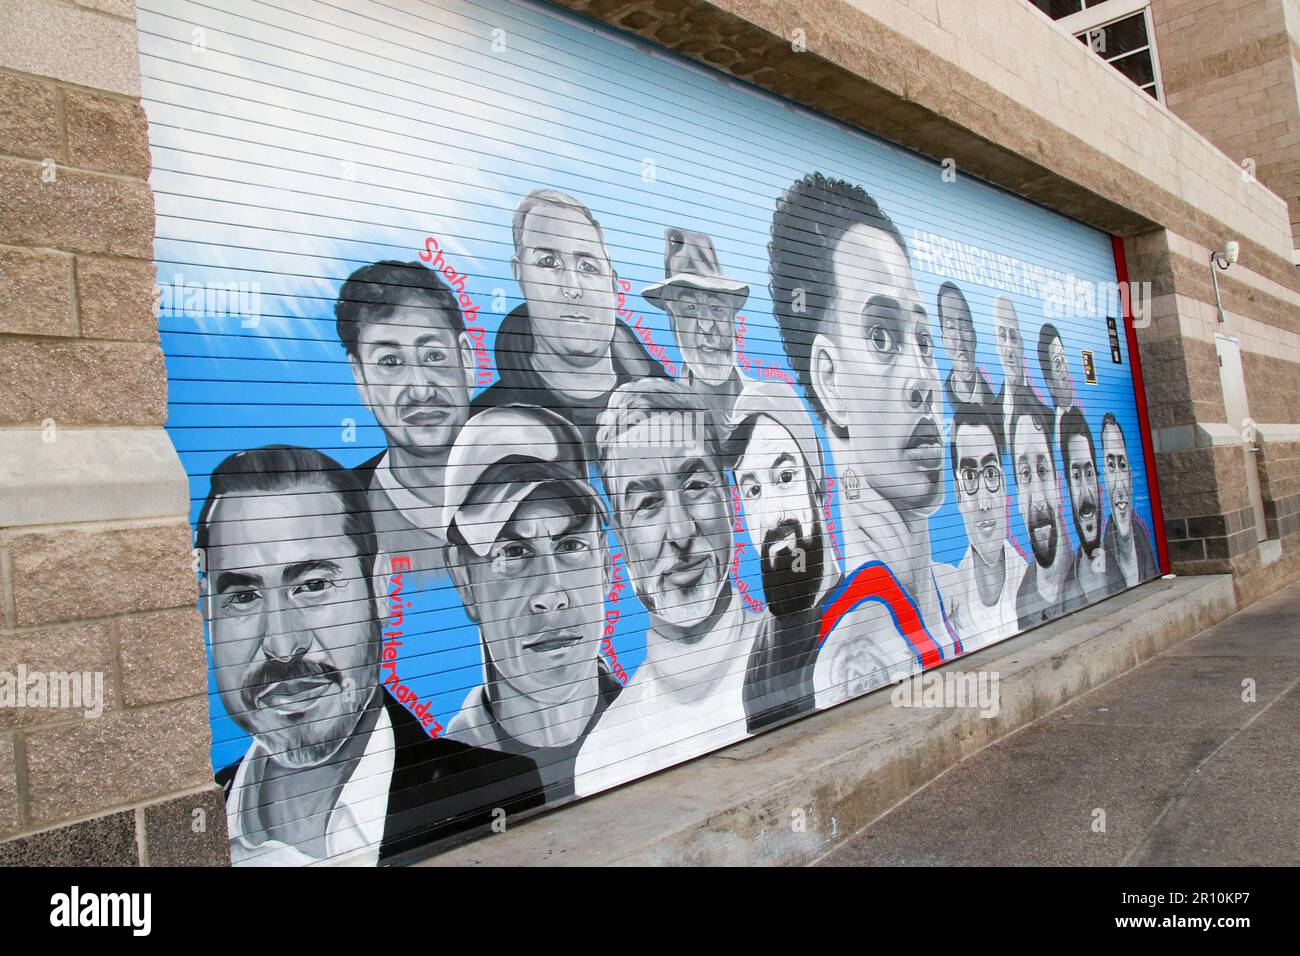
column 1228, row 256
column 1295, row 257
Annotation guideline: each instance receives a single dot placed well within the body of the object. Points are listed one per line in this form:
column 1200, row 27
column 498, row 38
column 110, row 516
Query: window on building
column 1118, row 31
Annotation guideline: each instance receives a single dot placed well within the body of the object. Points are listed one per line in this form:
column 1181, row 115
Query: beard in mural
column 661, row 460
column 702, row 304
column 1048, row 589
column 980, row 592
column 529, row 559
column 966, row 383
column 779, row 477
column 856, row 332
column 294, row 609
column 1128, row 549
column 792, row 562
column 564, row 348
column 1095, row 576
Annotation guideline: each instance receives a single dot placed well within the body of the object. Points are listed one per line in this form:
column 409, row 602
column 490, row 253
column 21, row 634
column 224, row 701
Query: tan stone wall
column 1228, row 70
column 1199, row 460
column 95, row 572
column 1007, row 94
column 996, row 86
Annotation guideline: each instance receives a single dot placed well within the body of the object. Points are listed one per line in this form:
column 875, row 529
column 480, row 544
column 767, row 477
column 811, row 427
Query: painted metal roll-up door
column 556, row 411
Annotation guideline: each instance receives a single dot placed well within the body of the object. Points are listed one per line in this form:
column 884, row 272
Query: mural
column 510, row 488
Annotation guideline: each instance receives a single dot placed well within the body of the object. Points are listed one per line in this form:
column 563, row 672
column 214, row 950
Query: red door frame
column 1140, row 397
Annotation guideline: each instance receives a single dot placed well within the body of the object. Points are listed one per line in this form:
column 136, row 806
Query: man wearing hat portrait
column 526, row 549
column 702, row 304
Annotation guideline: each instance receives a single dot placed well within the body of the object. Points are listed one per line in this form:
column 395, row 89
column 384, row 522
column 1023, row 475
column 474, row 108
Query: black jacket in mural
column 1148, row 567
column 519, row 384
column 983, row 391
column 779, row 673
column 366, row 470
column 1033, row 610
column 440, row 788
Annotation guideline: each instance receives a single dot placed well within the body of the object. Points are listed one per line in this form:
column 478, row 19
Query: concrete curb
column 838, row 770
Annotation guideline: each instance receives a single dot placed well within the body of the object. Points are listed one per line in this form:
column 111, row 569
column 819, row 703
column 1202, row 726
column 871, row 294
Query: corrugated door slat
column 557, row 411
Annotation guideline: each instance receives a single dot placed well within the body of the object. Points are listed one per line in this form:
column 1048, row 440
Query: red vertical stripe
column 1144, row 424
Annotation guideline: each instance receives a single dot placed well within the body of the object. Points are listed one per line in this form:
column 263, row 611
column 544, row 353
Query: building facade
column 227, row 178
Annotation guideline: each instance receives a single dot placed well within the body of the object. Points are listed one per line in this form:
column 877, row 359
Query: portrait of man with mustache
column 404, row 334
column 1048, row 589
column 527, row 550
column 1094, row 574
column 1126, row 542
column 661, row 458
column 859, row 338
column 778, row 470
column 337, row 770
column 564, row 349
column 702, row 304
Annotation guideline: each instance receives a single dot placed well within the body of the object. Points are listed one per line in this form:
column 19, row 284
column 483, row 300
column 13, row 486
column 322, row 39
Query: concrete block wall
column 998, row 87
column 1228, row 69
column 95, row 568
column 1209, row 520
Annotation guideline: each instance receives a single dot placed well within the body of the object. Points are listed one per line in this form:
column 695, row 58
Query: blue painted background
column 291, row 147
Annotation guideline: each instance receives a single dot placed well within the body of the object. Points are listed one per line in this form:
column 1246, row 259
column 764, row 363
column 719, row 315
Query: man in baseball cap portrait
column 526, row 549
column 702, row 304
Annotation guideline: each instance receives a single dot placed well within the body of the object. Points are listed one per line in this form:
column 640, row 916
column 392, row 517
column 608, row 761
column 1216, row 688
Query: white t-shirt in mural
column 355, row 828
column 976, row 623
column 678, row 705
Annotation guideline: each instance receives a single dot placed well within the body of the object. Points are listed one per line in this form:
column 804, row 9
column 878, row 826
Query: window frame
column 1112, row 11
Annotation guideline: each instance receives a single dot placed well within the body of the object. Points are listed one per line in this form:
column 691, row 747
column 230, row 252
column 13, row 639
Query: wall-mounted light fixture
column 1221, row 260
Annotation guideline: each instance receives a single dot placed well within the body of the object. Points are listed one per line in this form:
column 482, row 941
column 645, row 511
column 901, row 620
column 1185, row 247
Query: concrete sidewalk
column 788, row 796
column 1185, row 770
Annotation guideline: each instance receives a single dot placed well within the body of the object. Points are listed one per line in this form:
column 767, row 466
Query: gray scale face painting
column 532, row 453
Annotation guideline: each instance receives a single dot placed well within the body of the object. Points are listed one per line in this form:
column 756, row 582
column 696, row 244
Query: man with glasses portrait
column 980, row 592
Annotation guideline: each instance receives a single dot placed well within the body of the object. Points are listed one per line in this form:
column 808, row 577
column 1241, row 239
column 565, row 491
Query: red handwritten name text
column 742, row 587
column 433, row 255
column 755, row 366
column 397, row 608
column 643, row 332
column 611, row 619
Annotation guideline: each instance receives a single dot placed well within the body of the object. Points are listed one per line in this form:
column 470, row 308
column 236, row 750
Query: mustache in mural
column 426, row 405
column 685, row 580
column 298, row 679
column 1084, row 515
column 1042, row 534
column 792, row 567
